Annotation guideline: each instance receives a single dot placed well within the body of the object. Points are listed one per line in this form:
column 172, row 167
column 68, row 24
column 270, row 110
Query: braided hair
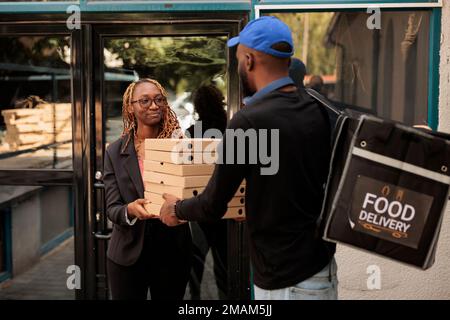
column 168, row 126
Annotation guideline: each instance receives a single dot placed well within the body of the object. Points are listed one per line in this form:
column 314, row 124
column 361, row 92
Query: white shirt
column 132, row 222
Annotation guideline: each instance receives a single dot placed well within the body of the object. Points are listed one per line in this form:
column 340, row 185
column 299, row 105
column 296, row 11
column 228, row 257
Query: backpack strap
column 323, row 101
column 336, row 119
column 335, row 115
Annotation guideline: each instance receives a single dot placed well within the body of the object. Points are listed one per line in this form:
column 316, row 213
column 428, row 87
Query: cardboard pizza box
column 181, row 145
column 157, row 198
column 235, row 212
column 58, row 137
column 179, row 169
column 178, row 192
column 21, row 139
column 232, row 213
column 21, row 112
column 17, row 129
column 57, row 126
column 171, row 180
column 236, row 202
column 183, row 193
column 22, row 116
column 181, row 157
column 13, row 120
column 62, row 108
column 48, row 117
column 23, row 128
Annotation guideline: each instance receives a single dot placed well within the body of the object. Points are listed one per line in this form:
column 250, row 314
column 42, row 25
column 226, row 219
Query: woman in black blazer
column 143, row 253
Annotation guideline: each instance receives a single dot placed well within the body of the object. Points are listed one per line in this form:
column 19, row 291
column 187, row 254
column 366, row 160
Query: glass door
column 183, row 56
column 38, row 158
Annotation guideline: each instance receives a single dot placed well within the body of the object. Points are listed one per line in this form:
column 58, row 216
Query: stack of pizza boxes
column 183, row 167
column 31, row 127
column 23, row 128
column 56, row 122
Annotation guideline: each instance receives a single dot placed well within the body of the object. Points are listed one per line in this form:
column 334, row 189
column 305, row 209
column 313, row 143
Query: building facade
column 65, row 64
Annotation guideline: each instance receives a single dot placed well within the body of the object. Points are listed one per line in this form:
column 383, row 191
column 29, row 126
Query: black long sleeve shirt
column 281, row 209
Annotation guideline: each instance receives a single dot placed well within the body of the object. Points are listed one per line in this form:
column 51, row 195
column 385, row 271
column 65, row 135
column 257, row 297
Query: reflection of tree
column 40, row 51
column 180, row 63
column 320, row 59
column 27, row 65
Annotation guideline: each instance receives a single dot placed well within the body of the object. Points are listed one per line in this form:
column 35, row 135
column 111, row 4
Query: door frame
column 164, row 24
column 10, row 27
column 87, row 123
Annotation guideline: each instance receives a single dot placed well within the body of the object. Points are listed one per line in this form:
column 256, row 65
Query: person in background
column 316, row 83
column 209, row 104
column 289, row 258
column 297, row 72
column 143, row 253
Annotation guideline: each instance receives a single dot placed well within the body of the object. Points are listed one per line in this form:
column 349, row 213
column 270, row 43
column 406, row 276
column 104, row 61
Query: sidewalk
column 46, row 280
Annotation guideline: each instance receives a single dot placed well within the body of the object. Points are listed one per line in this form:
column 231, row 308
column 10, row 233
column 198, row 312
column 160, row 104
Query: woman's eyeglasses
column 146, row 102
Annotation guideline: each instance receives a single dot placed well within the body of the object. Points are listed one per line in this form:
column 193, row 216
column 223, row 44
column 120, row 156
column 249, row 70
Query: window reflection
column 36, row 242
column 180, row 64
column 35, row 102
column 383, row 72
column 3, row 245
column 75, row 1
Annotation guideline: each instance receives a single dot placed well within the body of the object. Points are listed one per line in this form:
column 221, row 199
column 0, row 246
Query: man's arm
column 226, row 179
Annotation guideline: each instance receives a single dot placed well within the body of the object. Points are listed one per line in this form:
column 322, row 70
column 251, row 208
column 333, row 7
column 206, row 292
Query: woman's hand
column 167, row 212
column 136, row 209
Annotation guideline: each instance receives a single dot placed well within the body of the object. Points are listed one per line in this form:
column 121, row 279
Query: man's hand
column 167, row 212
column 136, row 209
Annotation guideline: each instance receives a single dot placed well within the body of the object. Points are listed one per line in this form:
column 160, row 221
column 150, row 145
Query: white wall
column 397, row 280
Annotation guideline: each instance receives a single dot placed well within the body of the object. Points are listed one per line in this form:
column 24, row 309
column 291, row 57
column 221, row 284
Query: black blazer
column 123, row 184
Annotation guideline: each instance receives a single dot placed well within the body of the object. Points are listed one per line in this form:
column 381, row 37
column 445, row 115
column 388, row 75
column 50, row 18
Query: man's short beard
column 246, row 90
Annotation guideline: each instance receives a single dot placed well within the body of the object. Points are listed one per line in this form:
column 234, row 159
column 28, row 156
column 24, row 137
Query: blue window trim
column 6, row 274
column 56, row 241
column 349, row 2
column 131, row 6
column 433, row 68
column 434, row 44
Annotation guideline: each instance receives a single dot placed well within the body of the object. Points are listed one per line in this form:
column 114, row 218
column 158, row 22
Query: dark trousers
column 163, row 267
column 213, row 236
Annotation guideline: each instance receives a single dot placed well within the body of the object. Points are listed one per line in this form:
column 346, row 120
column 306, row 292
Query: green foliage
column 321, row 59
column 180, row 63
column 40, row 51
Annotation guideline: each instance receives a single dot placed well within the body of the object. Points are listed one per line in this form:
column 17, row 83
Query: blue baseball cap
column 262, row 33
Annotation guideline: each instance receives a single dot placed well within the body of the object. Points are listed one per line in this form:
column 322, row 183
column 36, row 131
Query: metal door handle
column 102, row 235
column 99, row 185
